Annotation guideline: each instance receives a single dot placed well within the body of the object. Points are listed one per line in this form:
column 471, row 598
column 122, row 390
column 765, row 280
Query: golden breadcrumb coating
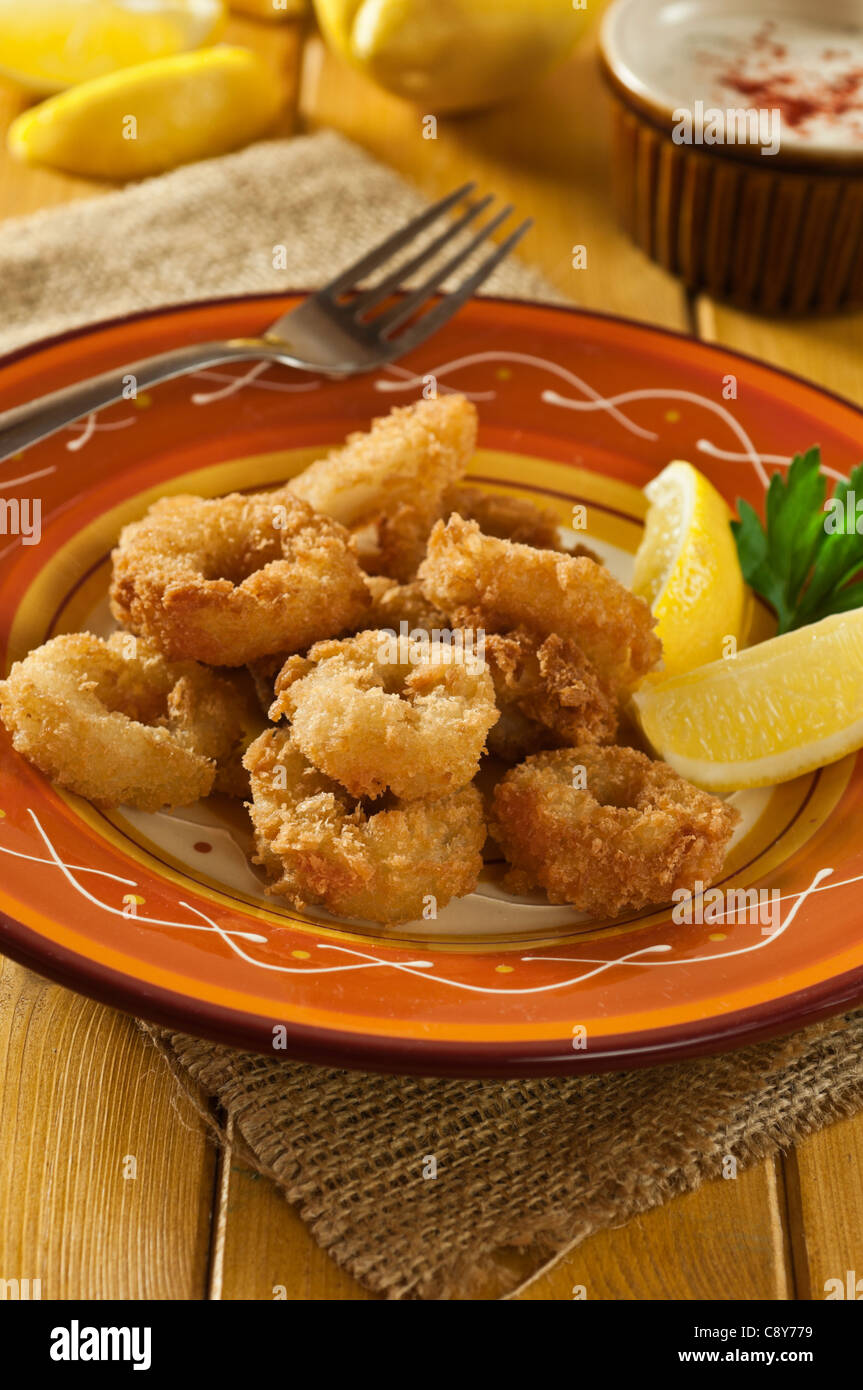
column 117, row 723
column 515, row 735
column 503, row 515
column 481, row 581
column 396, row 623
column 245, row 708
column 389, row 865
column 230, row 579
column 377, row 715
column 394, row 603
column 607, row 829
column 387, row 485
column 551, row 682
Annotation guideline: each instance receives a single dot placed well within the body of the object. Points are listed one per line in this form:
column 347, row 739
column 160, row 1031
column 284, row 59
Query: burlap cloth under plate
column 537, row 1163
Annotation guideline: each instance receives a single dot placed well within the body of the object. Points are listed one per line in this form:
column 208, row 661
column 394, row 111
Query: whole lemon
column 452, row 55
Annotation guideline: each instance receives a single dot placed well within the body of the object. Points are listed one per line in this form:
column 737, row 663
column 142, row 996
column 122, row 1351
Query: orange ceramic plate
column 163, row 915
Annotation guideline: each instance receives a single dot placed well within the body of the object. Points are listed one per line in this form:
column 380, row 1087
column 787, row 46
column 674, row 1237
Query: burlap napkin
column 207, row 230
column 536, row 1164
column 539, row 1164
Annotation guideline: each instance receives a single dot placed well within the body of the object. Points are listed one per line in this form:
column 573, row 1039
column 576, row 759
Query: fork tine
column 451, row 303
column 411, row 302
column 379, row 292
column 346, row 279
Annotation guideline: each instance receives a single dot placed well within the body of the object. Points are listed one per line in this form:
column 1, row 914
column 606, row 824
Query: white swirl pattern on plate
column 364, row 960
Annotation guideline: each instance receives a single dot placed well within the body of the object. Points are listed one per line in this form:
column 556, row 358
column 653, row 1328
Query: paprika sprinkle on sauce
column 812, row 75
column 794, row 93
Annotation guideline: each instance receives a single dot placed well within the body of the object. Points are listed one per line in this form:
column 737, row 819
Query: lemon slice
column 775, row 711
column 146, row 119
column 46, row 45
column 687, row 570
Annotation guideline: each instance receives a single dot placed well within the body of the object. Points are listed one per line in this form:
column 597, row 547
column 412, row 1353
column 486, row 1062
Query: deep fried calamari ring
column 387, row 485
column 226, row 580
column 377, row 715
column 550, row 682
column 481, row 581
column 633, row 834
column 117, row 723
column 394, row 604
column 512, row 519
column 515, row 736
column 263, row 673
column 319, row 846
column 238, row 717
column 546, row 692
column 503, row 515
column 391, row 605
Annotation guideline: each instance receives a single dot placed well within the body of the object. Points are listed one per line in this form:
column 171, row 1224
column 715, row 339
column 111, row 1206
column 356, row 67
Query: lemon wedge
column 782, row 708
column 146, row 119
column 47, row 45
column 453, row 55
column 687, row 570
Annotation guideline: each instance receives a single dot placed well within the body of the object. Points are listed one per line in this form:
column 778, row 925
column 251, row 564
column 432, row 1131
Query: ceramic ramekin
column 738, row 145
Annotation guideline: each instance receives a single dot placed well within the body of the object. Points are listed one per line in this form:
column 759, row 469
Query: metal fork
column 340, row 331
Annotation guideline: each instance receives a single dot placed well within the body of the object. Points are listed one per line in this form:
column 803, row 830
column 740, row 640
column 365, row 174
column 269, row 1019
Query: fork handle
column 37, row 419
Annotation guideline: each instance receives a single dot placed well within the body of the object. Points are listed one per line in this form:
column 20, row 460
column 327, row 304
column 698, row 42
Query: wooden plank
column 825, row 1203
column 82, row 1088
column 724, row 1241
column 267, row 1252
column 825, row 1193
column 825, row 350
column 537, row 154
column 84, row 1104
column 548, row 153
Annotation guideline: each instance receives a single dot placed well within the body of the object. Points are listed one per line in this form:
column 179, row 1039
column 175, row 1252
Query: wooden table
column 82, row 1089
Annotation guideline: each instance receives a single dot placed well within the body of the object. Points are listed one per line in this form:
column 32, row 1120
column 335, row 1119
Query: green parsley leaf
column 805, row 557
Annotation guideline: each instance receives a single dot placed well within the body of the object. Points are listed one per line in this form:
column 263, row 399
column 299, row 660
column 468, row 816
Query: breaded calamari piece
column 379, row 715
column 551, row 683
column 515, row 736
column 607, row 829
column 247, row 718
column 226, row 580
column 319, row 846
column 263, row 674
column 503, row 515
column 484, row 582
column 391, row 605
column 394, row 604
column 387, row 485
column 117, row 723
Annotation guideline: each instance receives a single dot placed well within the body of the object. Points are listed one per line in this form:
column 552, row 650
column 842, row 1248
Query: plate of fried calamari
column 493, row 713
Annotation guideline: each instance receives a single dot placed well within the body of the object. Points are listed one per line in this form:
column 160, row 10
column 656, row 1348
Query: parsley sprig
column 806, row 561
